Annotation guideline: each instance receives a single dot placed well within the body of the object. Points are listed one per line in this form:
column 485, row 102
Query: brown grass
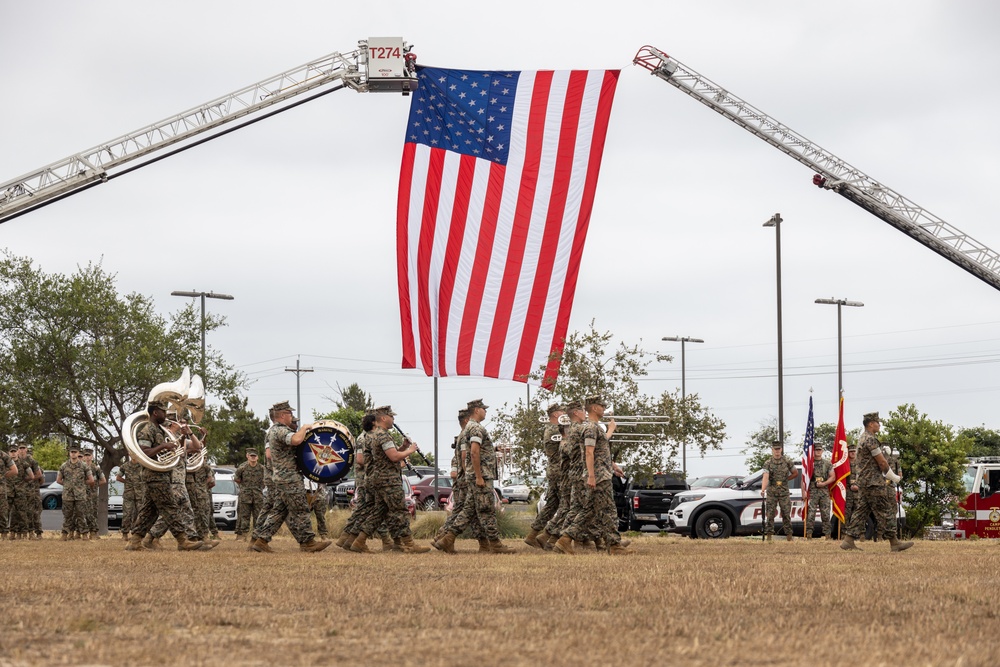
column 679, row 601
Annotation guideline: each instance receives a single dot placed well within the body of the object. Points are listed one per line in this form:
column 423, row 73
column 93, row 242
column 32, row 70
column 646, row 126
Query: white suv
column 225, row 496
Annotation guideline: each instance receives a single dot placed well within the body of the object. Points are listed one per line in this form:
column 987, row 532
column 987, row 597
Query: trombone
column 620, row 420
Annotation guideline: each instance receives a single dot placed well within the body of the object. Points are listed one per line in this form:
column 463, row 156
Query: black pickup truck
column 645, row 499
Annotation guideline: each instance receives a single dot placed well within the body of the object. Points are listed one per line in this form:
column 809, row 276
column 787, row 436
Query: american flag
column 807, row 453
column 495, row 193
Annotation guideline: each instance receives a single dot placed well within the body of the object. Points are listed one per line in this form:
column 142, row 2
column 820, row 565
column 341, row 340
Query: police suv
column 719, row 513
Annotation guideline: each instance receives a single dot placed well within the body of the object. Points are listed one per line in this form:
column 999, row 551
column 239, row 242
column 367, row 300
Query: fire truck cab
column 979, row 513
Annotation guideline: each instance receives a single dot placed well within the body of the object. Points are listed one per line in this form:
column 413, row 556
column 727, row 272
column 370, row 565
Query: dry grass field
column 678, row 601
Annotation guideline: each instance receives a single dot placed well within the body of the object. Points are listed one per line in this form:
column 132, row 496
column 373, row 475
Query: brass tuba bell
column 176, row 394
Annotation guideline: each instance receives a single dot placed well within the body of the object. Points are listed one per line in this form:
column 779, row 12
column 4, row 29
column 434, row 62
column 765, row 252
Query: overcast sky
column 295, row 216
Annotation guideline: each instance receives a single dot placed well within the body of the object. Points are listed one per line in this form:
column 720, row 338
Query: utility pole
column 298, row 370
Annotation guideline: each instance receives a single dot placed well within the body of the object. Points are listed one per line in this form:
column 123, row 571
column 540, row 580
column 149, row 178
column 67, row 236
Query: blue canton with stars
column 465, row 111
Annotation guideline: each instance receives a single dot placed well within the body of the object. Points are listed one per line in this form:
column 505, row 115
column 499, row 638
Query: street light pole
column 683, row 340
column 840, row 339
column 203, row 296
column 775, row 222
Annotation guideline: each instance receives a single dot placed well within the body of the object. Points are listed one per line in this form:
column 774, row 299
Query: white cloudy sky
column 295, row 216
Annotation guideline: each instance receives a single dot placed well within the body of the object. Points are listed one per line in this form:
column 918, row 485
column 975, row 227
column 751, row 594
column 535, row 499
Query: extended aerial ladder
column 382, row 64
column 832, row 173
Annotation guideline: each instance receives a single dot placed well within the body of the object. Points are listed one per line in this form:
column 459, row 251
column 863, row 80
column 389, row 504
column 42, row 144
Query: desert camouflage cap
column 282, row 406
column 384, row 411
column 776, row 444
column 554, row 408
column 74, row 448
column 463, row 414
column 871, row 417
column 157, row 405
column 596, row 400
column 252, row 451
column 478, row 403
column 574, row 405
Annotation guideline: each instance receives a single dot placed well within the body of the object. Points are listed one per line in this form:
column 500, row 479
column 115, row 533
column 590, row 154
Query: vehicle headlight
column 689, row 499
column 229, row 503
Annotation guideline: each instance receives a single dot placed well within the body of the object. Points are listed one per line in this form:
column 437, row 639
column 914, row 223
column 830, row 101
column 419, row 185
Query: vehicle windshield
column 969, row 478
column 115, row 488
column 708, row 482
column 226, row 486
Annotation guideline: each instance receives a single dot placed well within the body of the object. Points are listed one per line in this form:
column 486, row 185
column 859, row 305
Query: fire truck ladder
column 377, row 65
column 832, row 173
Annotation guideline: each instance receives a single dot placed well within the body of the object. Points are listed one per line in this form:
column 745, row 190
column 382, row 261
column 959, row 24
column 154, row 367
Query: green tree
column 354, row 397
column 231, row 429
column 932, row 458
column 758, row 446
column 591, row 365
column 827, row 431
column 77, row 357
column 50, row 453
column 985, row 441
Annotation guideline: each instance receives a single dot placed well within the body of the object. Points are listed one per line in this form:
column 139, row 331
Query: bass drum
column 327, row 453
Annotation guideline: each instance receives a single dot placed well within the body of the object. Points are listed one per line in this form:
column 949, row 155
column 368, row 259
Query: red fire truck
column 979, row 512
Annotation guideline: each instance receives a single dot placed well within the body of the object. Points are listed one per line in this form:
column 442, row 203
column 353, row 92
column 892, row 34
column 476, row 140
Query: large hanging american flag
column 495, row 194
column 807, row 457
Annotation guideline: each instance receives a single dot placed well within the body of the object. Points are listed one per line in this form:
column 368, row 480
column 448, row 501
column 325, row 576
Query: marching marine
column 75, row 476
column 873, row 470
column 819, row 494
column 92, row 492
column 551, row 438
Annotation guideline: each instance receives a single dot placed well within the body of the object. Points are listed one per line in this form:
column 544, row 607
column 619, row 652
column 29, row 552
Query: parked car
column 647, row 500
column 225, row 497
column 51, row 496
column 716, row 482
column 115, row 504
column 424, row 471
column 450, row 507
column 423, row 492
column 521, row 490
column 50, row 476
column 343, row 494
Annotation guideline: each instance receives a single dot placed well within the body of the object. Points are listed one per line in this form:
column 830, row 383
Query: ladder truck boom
column 377, row 65
column 832, row 173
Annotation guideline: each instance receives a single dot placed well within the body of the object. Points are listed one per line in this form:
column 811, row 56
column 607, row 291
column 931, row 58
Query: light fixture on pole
column 203, row 295
column 840, row 344
column 775, row 222
column 682, row 340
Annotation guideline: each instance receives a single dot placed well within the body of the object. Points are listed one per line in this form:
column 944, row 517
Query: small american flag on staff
column 807, row 455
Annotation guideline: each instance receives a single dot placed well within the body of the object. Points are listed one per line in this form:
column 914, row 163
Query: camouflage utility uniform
column 5, row 463
column 250, row 479
column 289, row 504
column 597, row 517
column 384, row 485
column 564, row 486
column 480, row 502
column 164, row 494
column 74, row 496
column 550, row 442
column 850, row 494
column 891, row 517
column 778, row 495
column 92, row 495
column 819, row 498
column 130, row 472
column 577, row 473
column 871, row 497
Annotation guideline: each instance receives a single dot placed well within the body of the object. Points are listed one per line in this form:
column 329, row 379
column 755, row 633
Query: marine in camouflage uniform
column 92, row 491
column 23, row 511
column 891, row 517
column 8, row 470
column 204, row 482
column 129, row 473
column 384, row 484
column 819, row 494
column 576, row 470
column 873, row 470
column 480, row 503
column 183, row 484
column 250, row 479
column 317, row 505
column 74, row 475
column 778, row 471
column 460, row 462
column 36, row 497
column 289, row 504
column 162, row 496
column 551, row 438
column 363, row 501
column 597, row 516
column 554, row 527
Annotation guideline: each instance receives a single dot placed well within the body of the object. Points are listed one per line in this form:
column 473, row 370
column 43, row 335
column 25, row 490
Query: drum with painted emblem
column 327, row 453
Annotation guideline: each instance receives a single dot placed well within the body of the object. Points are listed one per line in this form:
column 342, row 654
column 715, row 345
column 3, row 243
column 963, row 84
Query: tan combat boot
column 564, row 545
column 411, row 547
column 848, row 544
column 94, row 535
column 147, row 542
column 624, row 543
column 65, row 537
column 551, row 544
column 447, row 543
column 315, row 545
column 387, row 543
column 619, row 550
column 767, row 538
column 134, row 543
column 184, row 544
column 532, row 539
column 599, row 544
column 125, row 536
column 583, row 544
column 345, row 539
column 789, row 538
column 543, row 540
column 359, row 545
column 85, row 537
column 260, row 545
column 484, row 545
column 899, row 546
column 498, row 547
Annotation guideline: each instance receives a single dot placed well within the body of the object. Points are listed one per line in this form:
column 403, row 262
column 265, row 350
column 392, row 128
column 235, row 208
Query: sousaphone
column 183, row 395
